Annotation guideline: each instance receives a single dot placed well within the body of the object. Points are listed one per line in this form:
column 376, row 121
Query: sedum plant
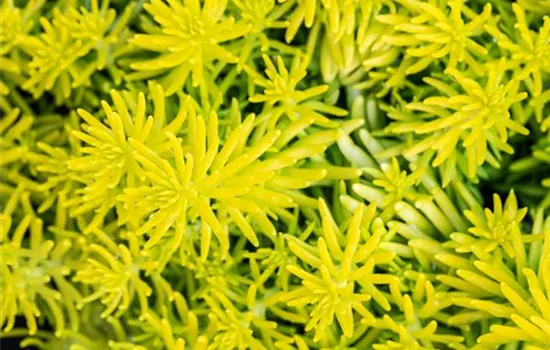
column 187, row 40
column 332, row 290
column 262, row 174
column 529, row 55
column 477, row 118
column 72, row 46
column 434, row 33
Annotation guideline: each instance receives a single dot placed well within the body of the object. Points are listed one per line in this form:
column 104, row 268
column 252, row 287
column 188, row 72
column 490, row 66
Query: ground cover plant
column 275, row 174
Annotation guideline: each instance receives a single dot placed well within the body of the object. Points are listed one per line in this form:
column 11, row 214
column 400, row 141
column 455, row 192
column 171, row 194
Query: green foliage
column 262, row 174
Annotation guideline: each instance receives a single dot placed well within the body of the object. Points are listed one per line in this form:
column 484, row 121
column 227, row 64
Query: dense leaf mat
column 253, row 174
